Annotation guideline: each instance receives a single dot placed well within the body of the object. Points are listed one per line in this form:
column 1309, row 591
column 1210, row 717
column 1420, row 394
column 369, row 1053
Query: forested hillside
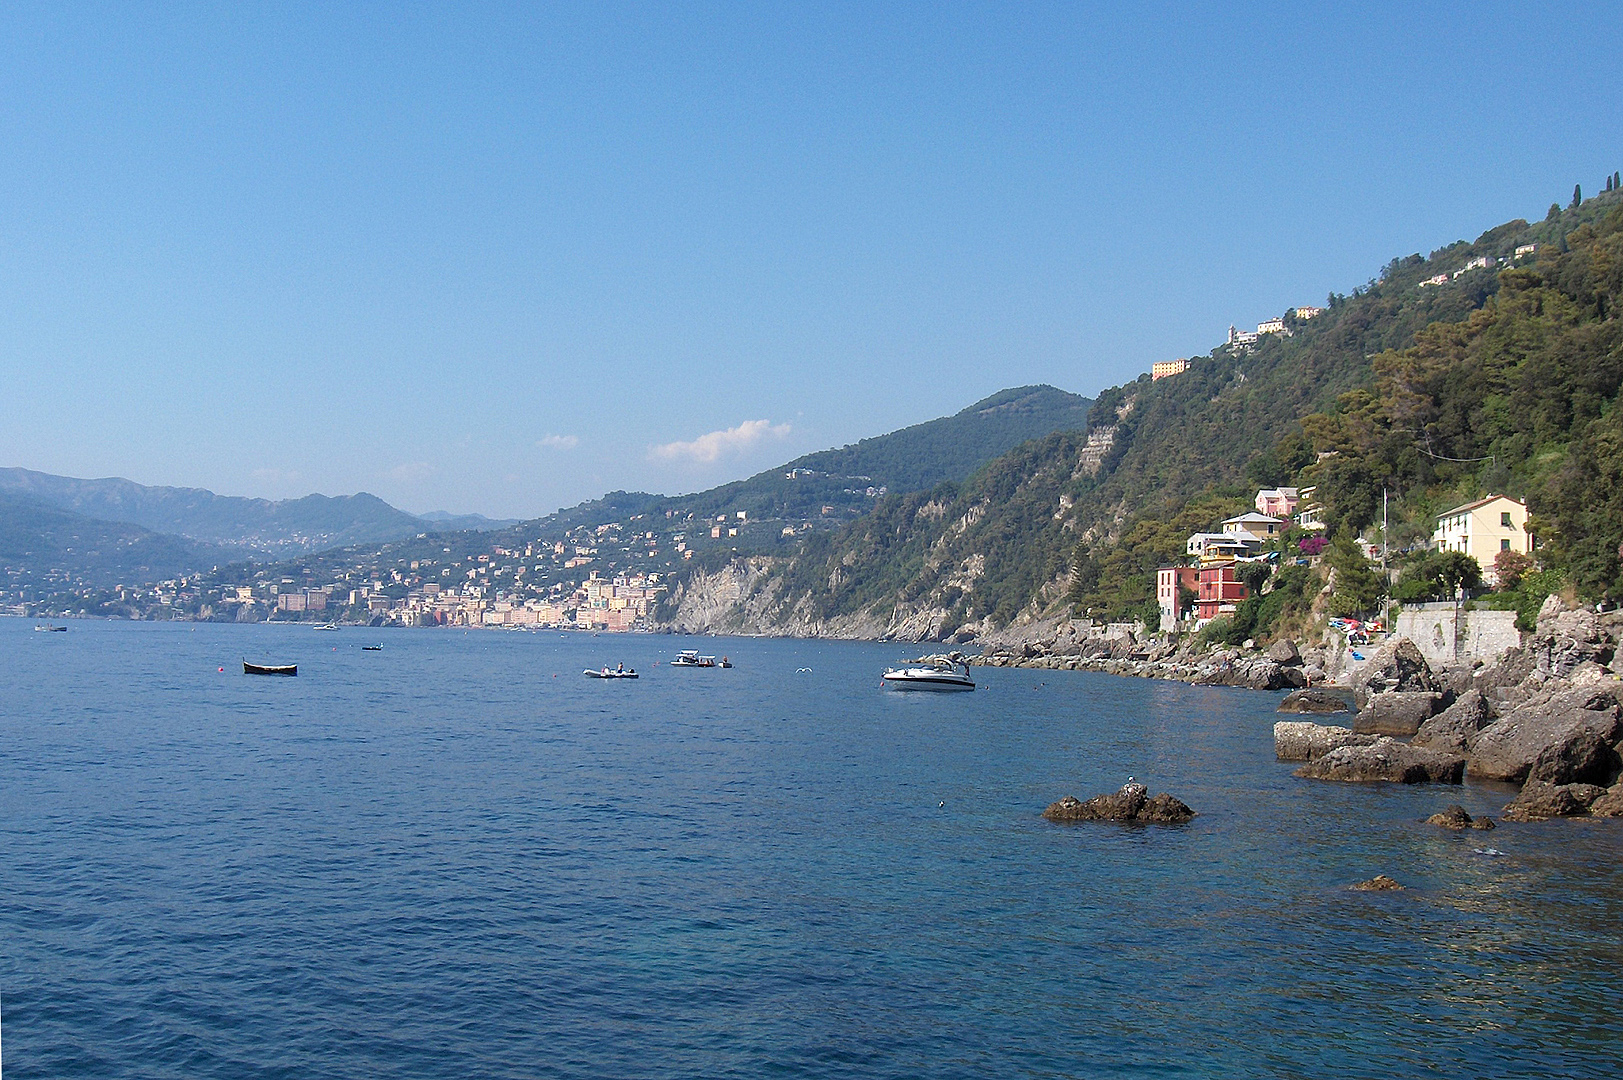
column 1514, row 363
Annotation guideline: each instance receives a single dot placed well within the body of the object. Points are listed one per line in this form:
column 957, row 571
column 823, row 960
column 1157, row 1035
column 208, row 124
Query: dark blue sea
column 457, row 857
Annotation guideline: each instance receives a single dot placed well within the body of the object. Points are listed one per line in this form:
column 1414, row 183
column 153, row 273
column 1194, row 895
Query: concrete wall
column 1484, row 635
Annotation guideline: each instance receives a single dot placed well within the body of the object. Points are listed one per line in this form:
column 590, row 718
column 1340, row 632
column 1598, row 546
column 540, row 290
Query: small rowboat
column 269, row 669
column 611, row 673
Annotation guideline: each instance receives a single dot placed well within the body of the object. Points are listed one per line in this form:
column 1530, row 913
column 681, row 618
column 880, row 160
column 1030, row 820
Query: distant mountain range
column 232, row 526
column 43, row 546
column 63, row 530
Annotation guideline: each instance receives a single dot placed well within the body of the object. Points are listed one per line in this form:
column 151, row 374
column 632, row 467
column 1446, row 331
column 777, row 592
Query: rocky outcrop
column 1388, row 760
column 1609, row 804
column 1298, row 740
column 1452, row 729
column 1311, row 702
column 1285, row 653
column 1454, row 816
column 1133, row 803
column 1566, row 640
column 1255, row 673
column 1539, row 801
column 1396, row 668
column 1378, row 883
column 1397, row 712
column 1560, row 736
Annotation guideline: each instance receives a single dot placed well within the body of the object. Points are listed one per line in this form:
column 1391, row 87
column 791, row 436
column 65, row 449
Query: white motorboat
column 948, row 671
column 691, row 658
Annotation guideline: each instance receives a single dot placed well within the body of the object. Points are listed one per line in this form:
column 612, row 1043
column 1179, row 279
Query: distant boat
column 47, row 628
column 328, row 626
column 371, row 648
column 691, row 658
column 269, row 669
column 621, row 672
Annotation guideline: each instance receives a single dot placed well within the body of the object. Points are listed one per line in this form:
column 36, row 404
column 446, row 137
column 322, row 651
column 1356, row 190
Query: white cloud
column 559, row 442
column 711, row 447
column 412, row 470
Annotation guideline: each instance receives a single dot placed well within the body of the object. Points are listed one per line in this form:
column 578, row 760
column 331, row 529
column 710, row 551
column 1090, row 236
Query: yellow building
column 1483, row 529
column 1165, row 368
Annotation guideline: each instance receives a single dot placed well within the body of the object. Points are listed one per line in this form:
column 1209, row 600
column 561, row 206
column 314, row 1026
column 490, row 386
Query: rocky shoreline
column 1547, row 715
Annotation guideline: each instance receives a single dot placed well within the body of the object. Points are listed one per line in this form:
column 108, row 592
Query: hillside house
column 1440, row 279
column 1308, row 312
column 1169, row 581
column 1219, row 547
column 1483, row 529
column 1167, row 368
column 1278, row 502
column 1241, row 339
column 1271, row 326
column 1259, row 526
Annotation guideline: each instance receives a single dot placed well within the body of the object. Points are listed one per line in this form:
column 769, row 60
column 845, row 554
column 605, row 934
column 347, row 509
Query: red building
column 1168, row 581
column 1218, row 591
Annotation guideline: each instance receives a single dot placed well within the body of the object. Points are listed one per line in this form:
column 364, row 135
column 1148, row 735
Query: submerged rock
column 1378, row 883
column 1385, row 760
column 1300, row 740
column 1312, row 701
column 1454, row 816
column 1132, row 803
column 1397, row 712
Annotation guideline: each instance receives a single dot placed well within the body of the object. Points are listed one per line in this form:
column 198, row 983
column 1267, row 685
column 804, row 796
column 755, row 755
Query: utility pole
column 1386, row 576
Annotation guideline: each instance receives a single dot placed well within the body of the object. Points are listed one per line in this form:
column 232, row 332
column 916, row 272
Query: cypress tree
column 1577, row 195
column 1617, row 176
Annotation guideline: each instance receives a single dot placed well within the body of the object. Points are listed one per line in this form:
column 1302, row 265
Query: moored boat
column 943, row 671
column 269, row 669
column 620, row 672
column 691, row 658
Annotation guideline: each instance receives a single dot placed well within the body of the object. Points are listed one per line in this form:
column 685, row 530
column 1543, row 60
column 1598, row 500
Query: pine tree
column 1555, row 212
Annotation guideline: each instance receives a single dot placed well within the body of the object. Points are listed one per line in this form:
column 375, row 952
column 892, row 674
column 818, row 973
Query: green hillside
column 915, row 458
column 1512, row 363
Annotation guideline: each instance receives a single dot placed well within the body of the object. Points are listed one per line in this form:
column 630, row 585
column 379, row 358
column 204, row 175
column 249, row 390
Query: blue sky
column 500, row 258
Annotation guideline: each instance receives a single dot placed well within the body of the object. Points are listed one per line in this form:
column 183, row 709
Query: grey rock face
column 1451, row 729
column 1299, row 740
column 1385, row 760
column 1284, row 652
column 1557, row 730
column 1311, row 701
column 1396, row 668
column 1397, row 712
column 1568, row 640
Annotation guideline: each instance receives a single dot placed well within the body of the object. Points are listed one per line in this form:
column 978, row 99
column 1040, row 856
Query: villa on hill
column 1484, row 528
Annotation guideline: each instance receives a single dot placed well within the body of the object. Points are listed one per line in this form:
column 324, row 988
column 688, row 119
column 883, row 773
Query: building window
column 1504, row 520
column 1504, row 545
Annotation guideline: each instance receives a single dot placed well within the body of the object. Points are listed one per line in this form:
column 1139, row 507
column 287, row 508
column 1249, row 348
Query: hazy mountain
column 465, row 522
column 45, row 546
column 249, row 527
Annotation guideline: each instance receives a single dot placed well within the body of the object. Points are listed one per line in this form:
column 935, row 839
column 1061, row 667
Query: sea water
column 457, row 857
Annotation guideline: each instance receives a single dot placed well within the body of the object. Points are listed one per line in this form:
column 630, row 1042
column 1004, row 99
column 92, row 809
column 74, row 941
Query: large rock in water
column 1312, row 702
column 1298, row 740
column 1454, row 817
column 1539, row 801
column 1132, row 803
column 1451, row 729
column 1566, row 735
column 1385, row 759
column 1397, row 712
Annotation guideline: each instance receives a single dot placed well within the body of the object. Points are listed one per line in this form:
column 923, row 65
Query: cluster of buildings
column 617, row 605
column 1481, row 262
column 1241, row 340
column 1210, row 586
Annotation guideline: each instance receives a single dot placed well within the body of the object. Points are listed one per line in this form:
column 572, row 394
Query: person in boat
column 620, row 669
